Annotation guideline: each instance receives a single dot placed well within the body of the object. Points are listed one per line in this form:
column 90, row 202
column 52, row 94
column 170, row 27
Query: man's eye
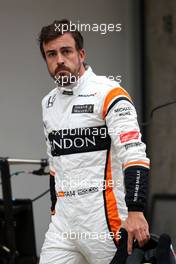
column 66, row 51
column 52, row 54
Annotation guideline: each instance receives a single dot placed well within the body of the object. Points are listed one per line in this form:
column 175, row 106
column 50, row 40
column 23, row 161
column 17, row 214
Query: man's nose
column 60, row 59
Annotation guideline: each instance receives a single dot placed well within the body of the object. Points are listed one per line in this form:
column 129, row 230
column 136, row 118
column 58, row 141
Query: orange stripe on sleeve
column 136, row 163
column 118, row 91
column 111, row 205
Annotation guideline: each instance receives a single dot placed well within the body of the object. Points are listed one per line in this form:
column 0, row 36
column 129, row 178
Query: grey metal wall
column 160, row 85
column 161, row 89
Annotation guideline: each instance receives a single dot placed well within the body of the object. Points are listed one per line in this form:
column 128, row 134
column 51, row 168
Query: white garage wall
column 24, row 79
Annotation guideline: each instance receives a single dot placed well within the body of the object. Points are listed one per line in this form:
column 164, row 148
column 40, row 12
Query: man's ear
column 82, row 54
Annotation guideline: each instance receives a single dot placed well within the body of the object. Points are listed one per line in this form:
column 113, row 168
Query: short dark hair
column 57, row 29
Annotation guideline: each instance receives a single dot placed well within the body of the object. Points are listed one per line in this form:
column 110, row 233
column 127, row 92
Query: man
column 96, row 157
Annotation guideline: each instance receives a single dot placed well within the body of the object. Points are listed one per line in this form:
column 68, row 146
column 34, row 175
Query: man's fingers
column 142, row 237
column 130, row 243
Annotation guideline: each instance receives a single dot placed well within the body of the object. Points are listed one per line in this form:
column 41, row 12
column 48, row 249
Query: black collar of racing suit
column 74, row 88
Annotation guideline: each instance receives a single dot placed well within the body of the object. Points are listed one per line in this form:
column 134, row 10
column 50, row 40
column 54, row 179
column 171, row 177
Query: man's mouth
column 62, row 72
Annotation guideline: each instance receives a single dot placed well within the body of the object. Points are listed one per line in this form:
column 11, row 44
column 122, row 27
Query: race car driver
column 96, row 155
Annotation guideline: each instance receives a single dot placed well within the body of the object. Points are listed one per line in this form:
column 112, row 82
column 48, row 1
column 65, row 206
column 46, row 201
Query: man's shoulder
column 49, row 96
column 109, row 89
column 104, row 85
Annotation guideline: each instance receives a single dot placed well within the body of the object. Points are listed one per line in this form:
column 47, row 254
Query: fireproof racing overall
column 99, row 165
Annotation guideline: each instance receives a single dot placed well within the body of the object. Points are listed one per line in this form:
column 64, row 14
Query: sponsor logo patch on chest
column 51, row 101
column 85, row 108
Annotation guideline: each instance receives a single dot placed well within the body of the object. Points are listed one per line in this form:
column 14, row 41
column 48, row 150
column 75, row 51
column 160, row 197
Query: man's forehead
column 66, row 40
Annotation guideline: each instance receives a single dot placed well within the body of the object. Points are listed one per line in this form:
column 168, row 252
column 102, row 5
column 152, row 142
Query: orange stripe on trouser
column 111, row 205
column 60, row 194
column 110, row 96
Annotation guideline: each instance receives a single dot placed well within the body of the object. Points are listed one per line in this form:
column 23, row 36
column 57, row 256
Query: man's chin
column 63, row 75
column 65, row 80
column 63, row 84
column 61, row 78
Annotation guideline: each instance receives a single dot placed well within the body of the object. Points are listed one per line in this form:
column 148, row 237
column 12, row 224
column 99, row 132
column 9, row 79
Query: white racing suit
column 99, row 165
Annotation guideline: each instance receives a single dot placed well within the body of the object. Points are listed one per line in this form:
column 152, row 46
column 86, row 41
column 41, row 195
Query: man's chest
column 67, row 112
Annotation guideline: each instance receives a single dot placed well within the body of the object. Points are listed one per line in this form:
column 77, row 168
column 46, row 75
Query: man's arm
column 120, row 116
column 52, row 174
column 136, row 193
column 52, row 194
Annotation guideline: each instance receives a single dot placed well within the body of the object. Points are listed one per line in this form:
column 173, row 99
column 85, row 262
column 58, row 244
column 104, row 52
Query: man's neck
column 82, row 70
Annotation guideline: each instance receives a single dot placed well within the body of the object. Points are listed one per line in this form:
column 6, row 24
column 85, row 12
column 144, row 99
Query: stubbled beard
column 66, row 79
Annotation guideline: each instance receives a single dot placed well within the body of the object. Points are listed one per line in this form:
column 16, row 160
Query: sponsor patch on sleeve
column 132, row 145
column 123, row 111
column 127, row 136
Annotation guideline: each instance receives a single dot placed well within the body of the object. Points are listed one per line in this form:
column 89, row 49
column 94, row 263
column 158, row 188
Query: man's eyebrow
column 54, row 50
column 66, row 47
column 50, row 50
